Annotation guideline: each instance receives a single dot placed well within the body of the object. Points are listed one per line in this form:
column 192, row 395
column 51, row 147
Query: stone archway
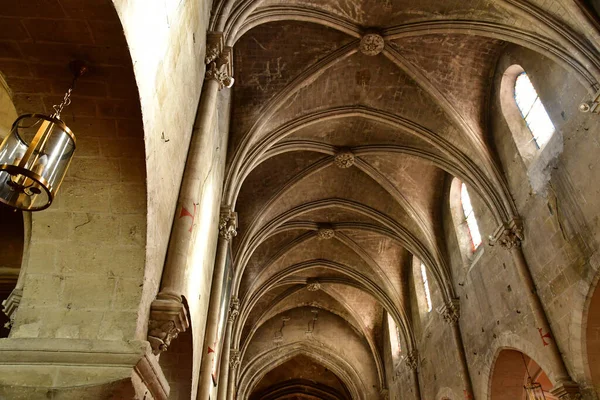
column 592, row 338
column 509, row 375
column 91, row 243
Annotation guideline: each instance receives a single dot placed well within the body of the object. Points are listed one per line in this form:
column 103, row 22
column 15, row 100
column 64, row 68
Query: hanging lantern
column 35, row 156
column 534, row 390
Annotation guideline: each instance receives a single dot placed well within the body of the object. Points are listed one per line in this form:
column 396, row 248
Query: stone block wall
column 85, row 269
column 561, row 241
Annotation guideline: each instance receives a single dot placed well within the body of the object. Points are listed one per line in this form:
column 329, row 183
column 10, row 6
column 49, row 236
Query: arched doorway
column 592, row 337
column 510, row 375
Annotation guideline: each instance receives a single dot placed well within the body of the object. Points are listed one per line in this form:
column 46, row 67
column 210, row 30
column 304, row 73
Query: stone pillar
column 412, row 362
column 451, row 313
column 234, row 363
column 227, row 230
column 234, row 306
column 168, row 316
column 11, row 304
column 510, row 235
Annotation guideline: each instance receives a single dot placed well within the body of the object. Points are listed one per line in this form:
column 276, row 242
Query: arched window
column 426, row 287
column 533, row 111
column 469, row 215
column 394, row 336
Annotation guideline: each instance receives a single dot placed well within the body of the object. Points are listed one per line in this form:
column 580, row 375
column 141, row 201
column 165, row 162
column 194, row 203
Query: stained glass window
column 470, row 216
column 533, row 111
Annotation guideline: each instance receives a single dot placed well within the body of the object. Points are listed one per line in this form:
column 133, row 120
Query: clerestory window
column 394, row 336
column 533, row 111
column 426, row 287
column 469, row 215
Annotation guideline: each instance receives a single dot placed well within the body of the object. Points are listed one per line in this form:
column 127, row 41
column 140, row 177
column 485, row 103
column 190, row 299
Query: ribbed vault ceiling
column 412, row 117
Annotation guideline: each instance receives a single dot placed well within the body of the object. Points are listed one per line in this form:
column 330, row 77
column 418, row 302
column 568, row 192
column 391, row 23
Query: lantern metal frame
column 22, row 177
column 15, row 170
column 533, row 389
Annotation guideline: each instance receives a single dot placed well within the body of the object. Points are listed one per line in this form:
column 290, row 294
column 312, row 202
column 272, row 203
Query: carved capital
column 450, row 311
column 384, row 394
column 592, row 105
column 313, row 285
column 227, row 223
column 234, row 309
column 168, row 318
column 234, row 359
column 10, row 306
column 566, row 391
column 412, row 360
column 509, row 234
column 344, row 159
column 221, row 69
column 372, row 44
column 214, row 46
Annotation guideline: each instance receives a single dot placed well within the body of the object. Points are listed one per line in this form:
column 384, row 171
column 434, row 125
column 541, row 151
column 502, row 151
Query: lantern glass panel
column 33, row 161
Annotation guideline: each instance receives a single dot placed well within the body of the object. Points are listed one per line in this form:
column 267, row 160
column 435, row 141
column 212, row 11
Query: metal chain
column 66, row 101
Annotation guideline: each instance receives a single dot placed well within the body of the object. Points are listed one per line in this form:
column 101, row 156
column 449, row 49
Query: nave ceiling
column 341, row 155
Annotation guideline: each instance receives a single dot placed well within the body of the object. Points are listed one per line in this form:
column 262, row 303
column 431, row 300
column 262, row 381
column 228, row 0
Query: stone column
column 234, row 363
column 11, row 304
column 412, row 362
column 234, row 306
column 168, row 316
column 451, row 313
column 510, row 235
column 227, row 230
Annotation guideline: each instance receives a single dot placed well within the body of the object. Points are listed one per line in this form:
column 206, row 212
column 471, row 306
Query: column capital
column 215, row 42
column 218, row 60
column 234, row 309
column 384, row 394
column 234, row 358
column 227, row 223
column 450, row 311
column 10, row 306
column 566, row 391
column 509, row 234
column 168, row 318
column 412, row 360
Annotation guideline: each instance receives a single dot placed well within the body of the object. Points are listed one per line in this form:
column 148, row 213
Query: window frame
column 426, row 289
column 540, row 113
column 470, row 219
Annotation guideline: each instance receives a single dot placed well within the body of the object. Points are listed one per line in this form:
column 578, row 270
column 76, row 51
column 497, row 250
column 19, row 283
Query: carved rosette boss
column 219, row 60
column 227, row 223
column 344, row 159
column 313, row 285
column 325, row 233
column 371, row 44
